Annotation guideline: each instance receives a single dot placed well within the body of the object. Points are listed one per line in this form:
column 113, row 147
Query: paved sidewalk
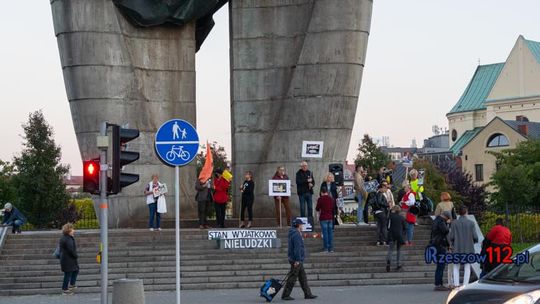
column 418, row 294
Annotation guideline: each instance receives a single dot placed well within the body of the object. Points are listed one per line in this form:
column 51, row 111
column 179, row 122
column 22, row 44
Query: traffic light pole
column 104, row 223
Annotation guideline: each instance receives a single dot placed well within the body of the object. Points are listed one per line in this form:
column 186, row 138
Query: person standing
column 152, row 195
column 446, row 204
column 439, row 240
column 304, row 187
column 360, row 191
column 379, row 207
column 499, row 236
column 396, row 230
column 68, row 259
column 14, row 218
column 332, row 191
column 221, row 197
column 248, row 196
column 462, row 239
column 325, row 207
column 388, row 194
column 296, row 254
column 282, row 200
column 407, row 202
column 203, row 198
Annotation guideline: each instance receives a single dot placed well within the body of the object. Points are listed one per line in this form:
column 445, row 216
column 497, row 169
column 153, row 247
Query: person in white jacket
column 152, row 192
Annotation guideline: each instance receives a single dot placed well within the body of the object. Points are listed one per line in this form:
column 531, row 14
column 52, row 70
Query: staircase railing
column 3, row 232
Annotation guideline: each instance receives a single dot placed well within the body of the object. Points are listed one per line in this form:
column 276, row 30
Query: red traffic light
column 91, row 168
column 91, row 176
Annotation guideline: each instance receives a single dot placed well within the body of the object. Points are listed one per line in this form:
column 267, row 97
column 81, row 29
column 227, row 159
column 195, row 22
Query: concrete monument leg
column 136, row 77
column 296, row 72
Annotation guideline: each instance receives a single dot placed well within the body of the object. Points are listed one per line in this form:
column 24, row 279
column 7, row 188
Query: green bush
column 87, row 214
column 525, row 227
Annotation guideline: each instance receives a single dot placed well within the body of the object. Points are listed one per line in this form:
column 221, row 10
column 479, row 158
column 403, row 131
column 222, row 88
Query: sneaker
column 287, row 298
column 72, row 287
column 67, row 292
column 416, row 224
column 399, row 268
column 242, row 226
column 159, row 229
column 331, row 251
column 248, row 225
column 201, row 227
column 151, row 229
column 309, row 297
column 441, row 288
column 379, row 244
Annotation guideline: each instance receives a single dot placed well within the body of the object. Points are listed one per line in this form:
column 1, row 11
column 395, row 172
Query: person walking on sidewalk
column 68, row 259
column 248, row 196
column 325, row 207
column 396, row 230
column 296, row 253
column 282, row 200
column 304, row 188
column 462, row 239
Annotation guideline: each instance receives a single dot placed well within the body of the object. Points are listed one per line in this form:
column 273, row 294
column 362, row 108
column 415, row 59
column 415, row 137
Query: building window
column 497, row 140
column 479, row 170
column 454, row 134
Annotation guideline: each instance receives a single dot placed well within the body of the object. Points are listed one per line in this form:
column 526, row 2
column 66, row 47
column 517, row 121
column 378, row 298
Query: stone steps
column 32, row 269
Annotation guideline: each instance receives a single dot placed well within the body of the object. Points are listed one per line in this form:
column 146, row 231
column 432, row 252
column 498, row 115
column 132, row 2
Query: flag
column 208, row 168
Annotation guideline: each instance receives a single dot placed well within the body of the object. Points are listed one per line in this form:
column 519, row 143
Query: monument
column 296, row 72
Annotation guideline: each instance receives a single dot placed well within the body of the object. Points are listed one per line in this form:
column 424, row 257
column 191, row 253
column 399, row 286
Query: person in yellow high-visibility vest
column 415, row 187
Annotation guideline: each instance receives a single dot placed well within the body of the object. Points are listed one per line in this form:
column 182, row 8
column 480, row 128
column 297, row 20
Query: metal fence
column 523, row 221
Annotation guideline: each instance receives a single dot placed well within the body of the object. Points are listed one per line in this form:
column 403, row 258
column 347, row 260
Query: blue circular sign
column 177, row 142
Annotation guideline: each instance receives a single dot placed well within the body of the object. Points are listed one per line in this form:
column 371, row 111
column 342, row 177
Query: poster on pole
column 312, row 149
column 279, row 187
column 421, row 176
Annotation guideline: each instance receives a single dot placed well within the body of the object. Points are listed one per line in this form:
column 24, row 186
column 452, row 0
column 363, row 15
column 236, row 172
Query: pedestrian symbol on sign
column 177, row 142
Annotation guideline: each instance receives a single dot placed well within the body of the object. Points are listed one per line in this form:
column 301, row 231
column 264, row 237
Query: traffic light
column 91, row 176
column 120, row 158
column 337, row 170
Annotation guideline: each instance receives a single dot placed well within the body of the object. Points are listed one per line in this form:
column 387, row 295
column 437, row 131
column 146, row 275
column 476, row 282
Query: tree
column 434, row 182
column 517, row 181
column 41, row 193
column 218, row 153
column 7, row 188
column 370, row 156
column 467, row 192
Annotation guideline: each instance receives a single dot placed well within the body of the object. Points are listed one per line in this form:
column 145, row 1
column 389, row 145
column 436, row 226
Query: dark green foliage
column 371, row 157
column 41, row 193
column 434, row 181
column 219, row 156
column 518, row 179
column 7, row 187
column 466, row 192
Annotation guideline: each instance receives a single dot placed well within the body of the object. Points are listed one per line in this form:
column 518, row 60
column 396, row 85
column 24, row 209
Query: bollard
column 128, row 291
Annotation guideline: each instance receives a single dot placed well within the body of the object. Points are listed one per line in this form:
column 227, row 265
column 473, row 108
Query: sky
column 420, row 57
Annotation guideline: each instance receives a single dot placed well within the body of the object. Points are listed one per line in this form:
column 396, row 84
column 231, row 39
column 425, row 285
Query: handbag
column 56, row 252
column 161, row 204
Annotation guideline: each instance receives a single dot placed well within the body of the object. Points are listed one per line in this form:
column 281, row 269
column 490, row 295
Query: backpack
column 56, row 252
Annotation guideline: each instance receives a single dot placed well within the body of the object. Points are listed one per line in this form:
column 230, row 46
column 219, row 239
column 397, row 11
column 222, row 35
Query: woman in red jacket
column 221, row 197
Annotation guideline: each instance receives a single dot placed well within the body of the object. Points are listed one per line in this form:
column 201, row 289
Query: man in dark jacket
column 296, row 253
column 439, row 240
column 68, row 259
column 379, row 207
column 304, row 188
column 13, row 217
column 396, row 230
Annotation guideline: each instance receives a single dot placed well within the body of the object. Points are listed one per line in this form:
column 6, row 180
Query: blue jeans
column 328, row 235
column 152, row 208
column 440, row 269
column 16, row 225
column 69, row 278
column 360, row 210
column 410, row 231
column 305, row 199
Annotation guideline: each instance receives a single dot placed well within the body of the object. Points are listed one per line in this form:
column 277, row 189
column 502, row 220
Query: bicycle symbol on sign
column 177, row 151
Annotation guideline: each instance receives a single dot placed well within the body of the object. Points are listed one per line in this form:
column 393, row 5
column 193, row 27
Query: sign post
column 104, row 224
column 177, row 144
